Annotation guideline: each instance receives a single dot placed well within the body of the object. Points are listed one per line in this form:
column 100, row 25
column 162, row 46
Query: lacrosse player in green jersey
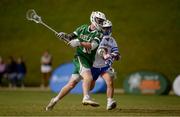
column 86, row 39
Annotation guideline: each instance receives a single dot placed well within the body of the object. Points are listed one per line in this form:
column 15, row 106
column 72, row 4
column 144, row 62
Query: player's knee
column 72, row 85
column 110, row 84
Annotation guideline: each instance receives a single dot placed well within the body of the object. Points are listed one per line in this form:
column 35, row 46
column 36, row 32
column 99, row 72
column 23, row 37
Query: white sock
column 109, row 99
column 56, row 99
column 86, row 97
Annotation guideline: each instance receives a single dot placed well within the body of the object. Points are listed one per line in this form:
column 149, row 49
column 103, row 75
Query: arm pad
column 66, row 37
column 70, row 36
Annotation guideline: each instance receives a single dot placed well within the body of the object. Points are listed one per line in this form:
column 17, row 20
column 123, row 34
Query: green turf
column 16, row 103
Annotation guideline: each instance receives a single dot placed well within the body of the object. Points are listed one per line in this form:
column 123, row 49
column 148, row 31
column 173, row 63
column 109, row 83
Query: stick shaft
column 49, row 27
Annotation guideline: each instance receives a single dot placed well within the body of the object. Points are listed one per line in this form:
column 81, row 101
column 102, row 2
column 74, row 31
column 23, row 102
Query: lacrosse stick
column 32, row 16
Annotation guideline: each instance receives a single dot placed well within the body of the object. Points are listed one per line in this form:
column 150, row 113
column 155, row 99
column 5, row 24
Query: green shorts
column 80, row 63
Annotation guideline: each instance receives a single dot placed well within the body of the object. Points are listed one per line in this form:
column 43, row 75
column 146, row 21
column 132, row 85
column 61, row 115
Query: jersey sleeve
column 114, row 48
column 114, row 51
column 79, row 30
column 98, row 37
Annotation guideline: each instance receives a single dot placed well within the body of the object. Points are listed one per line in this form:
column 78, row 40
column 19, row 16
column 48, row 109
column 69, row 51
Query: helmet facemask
column 107, row 31
column 99, row 21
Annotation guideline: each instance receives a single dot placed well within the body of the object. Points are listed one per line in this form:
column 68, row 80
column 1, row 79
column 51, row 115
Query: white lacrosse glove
column 61, row 35
column 74, row 43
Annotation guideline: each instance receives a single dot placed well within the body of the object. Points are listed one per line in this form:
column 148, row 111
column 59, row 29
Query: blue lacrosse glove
column 116, row 56
column 109, row 61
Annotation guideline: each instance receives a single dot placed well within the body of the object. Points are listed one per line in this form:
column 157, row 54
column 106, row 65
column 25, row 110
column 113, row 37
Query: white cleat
column 90, row 102
column 51, row 104
column 111, row 105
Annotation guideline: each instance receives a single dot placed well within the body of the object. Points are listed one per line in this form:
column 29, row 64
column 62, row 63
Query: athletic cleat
column 90, row 102
column 111, row 105
column 51, row 104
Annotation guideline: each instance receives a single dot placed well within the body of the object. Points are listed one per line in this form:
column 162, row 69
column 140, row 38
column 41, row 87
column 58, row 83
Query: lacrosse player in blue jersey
column 106, row 53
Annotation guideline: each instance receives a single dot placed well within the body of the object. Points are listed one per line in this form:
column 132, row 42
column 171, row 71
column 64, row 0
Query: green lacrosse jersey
column 85, row 35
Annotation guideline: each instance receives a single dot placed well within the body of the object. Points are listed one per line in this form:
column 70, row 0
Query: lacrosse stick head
column 32, row 16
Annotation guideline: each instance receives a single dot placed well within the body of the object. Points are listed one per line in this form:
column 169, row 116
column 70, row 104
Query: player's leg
column 43, row 80
column 109, row 83
column 96, row 72
column 87, row 79
column 75, row 78
column 92, row 85
column 111, row 104
column 48, row 75
column 85, row 72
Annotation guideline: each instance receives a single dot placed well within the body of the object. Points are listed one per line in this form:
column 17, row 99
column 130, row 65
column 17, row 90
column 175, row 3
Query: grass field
column 32, row 103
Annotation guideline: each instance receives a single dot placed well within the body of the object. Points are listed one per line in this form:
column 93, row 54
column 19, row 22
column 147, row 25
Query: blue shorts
column 96, row 72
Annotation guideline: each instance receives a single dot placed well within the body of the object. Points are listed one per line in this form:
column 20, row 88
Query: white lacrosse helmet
column 97, row 18
column 107, row 27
